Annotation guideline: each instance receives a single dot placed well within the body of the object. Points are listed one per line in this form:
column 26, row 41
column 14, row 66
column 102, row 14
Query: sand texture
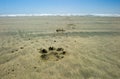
column 64, row 47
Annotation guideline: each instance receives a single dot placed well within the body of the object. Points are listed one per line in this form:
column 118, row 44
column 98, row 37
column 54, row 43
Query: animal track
column 52, row 53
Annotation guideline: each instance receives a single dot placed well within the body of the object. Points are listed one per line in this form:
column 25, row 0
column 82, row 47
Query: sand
column 91, row 46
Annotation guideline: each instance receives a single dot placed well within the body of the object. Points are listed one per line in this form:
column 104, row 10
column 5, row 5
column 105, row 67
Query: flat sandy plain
column 92, row 46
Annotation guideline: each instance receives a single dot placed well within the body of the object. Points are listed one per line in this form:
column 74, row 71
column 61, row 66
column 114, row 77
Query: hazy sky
column 59, row 6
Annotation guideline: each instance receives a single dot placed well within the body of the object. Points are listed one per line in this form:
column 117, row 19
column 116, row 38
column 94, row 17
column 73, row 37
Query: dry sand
column 92, row 46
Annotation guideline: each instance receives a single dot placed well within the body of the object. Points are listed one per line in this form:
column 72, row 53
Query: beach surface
column 60, row 47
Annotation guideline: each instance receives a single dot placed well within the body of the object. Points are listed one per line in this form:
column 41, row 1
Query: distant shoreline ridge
column 101, row 15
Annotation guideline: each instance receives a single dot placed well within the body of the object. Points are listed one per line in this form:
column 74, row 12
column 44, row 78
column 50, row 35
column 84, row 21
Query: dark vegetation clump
column 52, row 53
column 62, row 57
column 13, row 70
column 60, row 49
column 64, row 52
column 12, row 51
column 16, row 50
column 51, row 48
column 60, row 30
column 44, row 51
column 58, row 56
column 45, row 57
column 54, row 40
column 21, row 47
column 29, row 39
column 55, row 53
column 34, row 67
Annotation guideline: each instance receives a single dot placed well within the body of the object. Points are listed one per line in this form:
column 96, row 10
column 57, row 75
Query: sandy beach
column 60, row 47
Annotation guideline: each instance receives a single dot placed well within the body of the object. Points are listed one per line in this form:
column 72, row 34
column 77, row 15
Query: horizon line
column 15, row 15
